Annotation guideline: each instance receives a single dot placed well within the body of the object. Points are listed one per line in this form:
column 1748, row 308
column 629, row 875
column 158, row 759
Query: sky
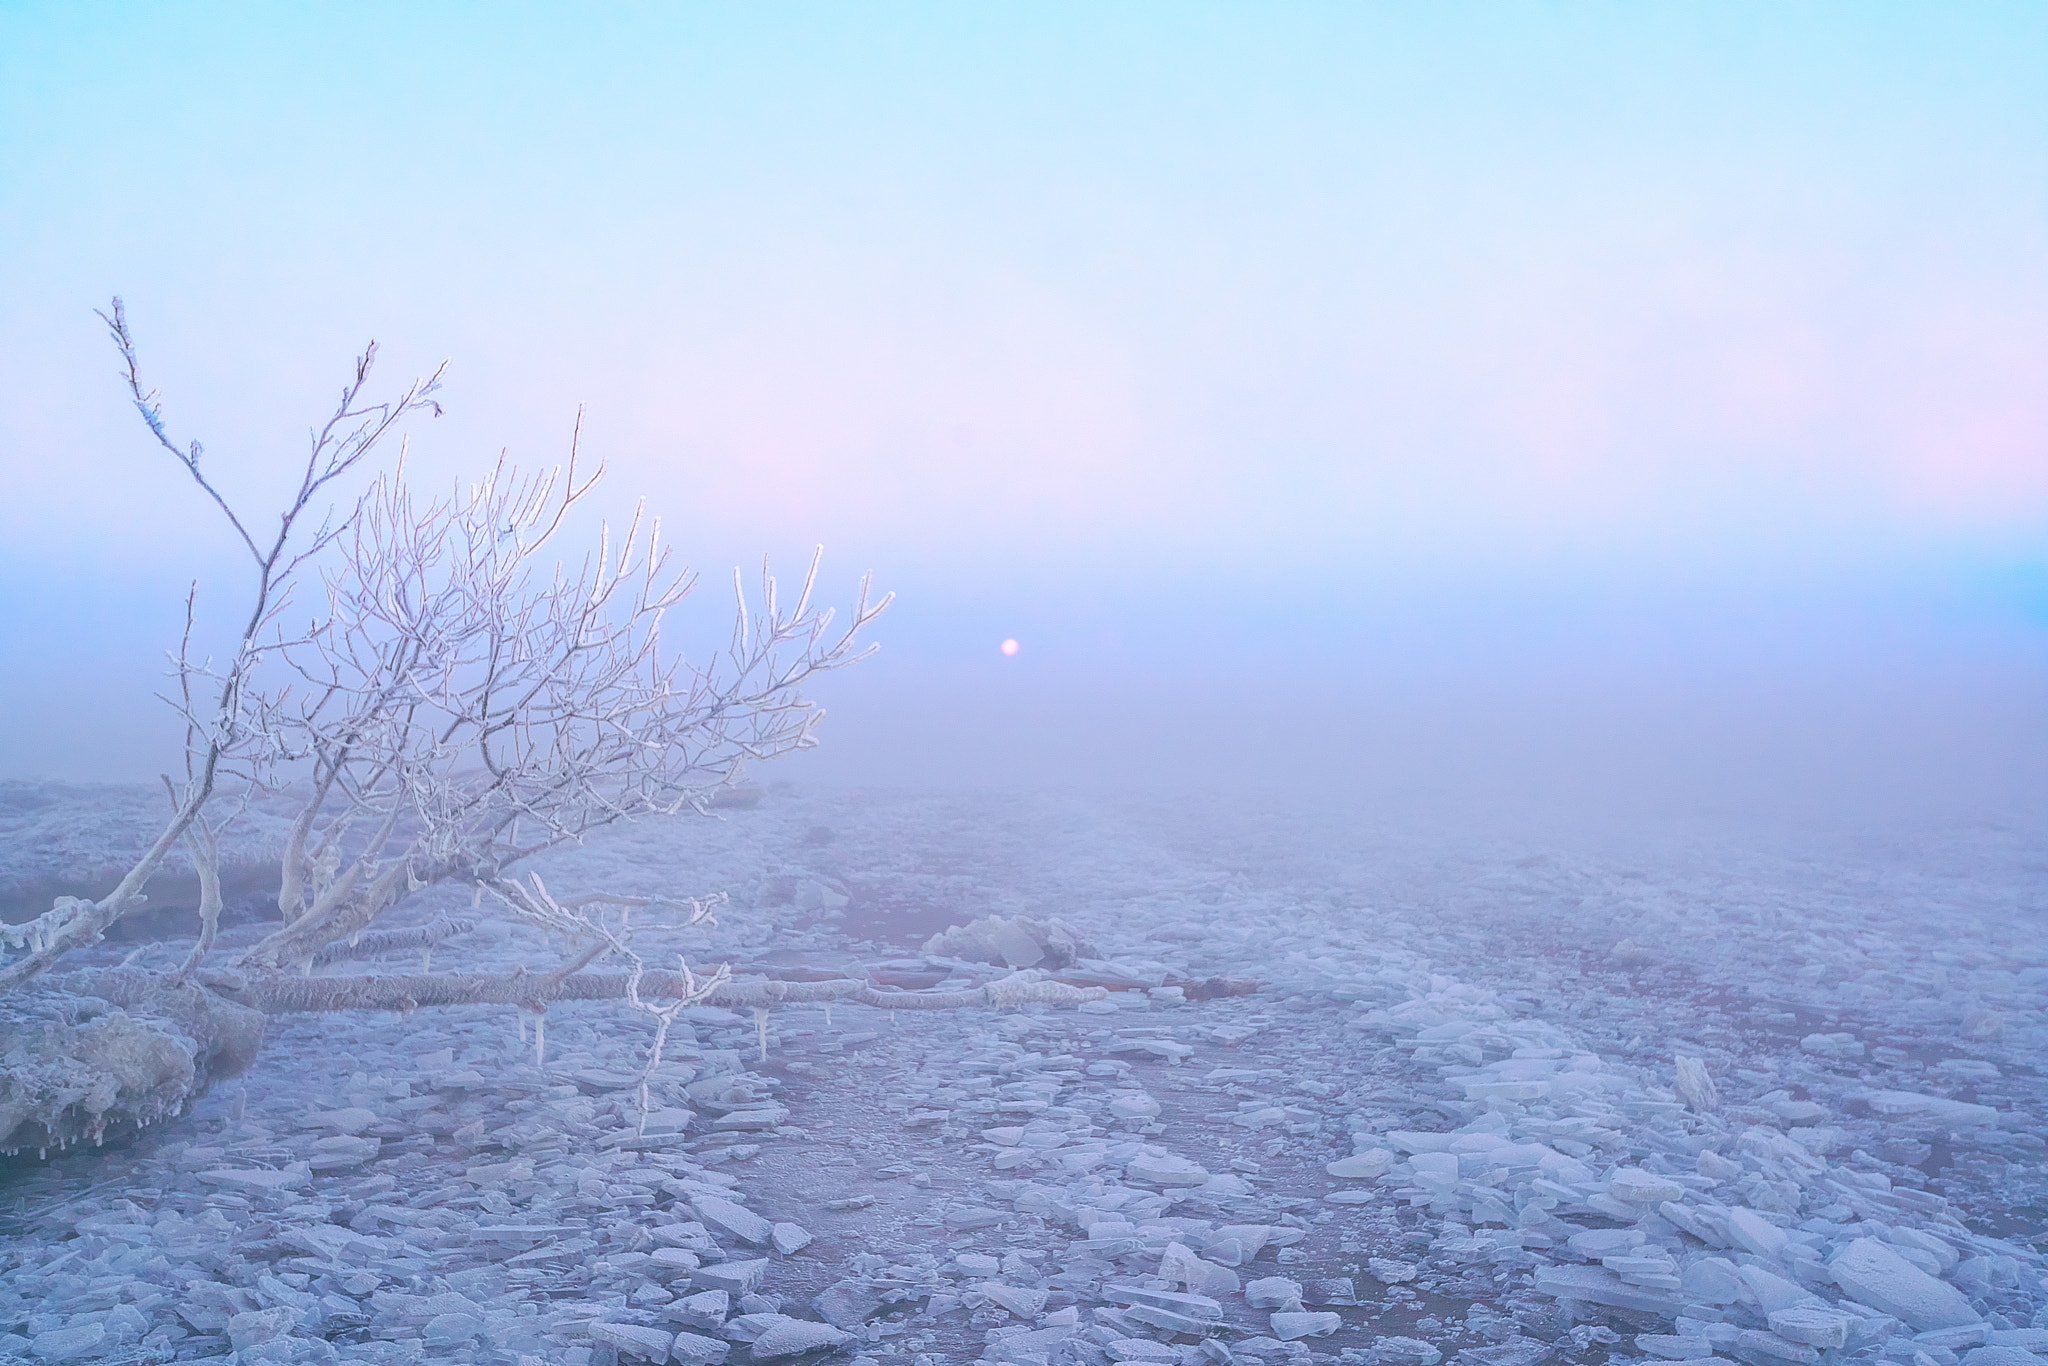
column 1407, row 368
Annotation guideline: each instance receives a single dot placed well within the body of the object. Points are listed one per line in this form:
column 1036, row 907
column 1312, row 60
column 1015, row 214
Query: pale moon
column 1009, row 647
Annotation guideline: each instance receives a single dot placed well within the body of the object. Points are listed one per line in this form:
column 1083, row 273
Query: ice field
column 1356, row 1091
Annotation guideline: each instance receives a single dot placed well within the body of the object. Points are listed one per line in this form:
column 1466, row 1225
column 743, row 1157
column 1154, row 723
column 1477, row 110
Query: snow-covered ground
column 1448, row 1122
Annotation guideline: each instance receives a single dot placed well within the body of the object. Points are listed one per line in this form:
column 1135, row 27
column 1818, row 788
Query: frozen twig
column 458, row 697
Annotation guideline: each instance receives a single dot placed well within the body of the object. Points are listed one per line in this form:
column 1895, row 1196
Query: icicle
column 540, row 1040
column 828, row 1014
column 427, row 959
column 761, row 1029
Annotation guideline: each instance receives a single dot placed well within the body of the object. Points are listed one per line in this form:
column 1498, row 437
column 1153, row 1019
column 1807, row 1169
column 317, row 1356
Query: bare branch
column 284, row 995
column 379, row 942
column 238, row 729
column 152, row 416
column 205, row 847
column 479, row 707
column 459, row 698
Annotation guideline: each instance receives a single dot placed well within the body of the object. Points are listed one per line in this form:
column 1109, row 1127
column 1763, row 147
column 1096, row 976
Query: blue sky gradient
column 1188, row 344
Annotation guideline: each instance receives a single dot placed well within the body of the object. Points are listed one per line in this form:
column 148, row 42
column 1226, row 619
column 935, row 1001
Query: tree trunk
column 285, row 995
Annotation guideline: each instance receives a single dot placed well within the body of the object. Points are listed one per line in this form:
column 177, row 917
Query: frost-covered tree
column 443, row 695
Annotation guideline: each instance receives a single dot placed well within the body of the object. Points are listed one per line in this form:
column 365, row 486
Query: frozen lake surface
column 1364, row 1089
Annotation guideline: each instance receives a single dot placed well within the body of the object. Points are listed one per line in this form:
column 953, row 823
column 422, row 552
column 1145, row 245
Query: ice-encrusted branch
column 695, row 991
column 50, row 928
column 473, row 707
column 205, row 846
column 227, row 724
column 375, row 943
column 280, row 995
column 457, row 700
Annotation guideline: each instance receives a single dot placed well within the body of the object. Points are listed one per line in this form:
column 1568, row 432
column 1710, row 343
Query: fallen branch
column 284, row 995
column 373, row 943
